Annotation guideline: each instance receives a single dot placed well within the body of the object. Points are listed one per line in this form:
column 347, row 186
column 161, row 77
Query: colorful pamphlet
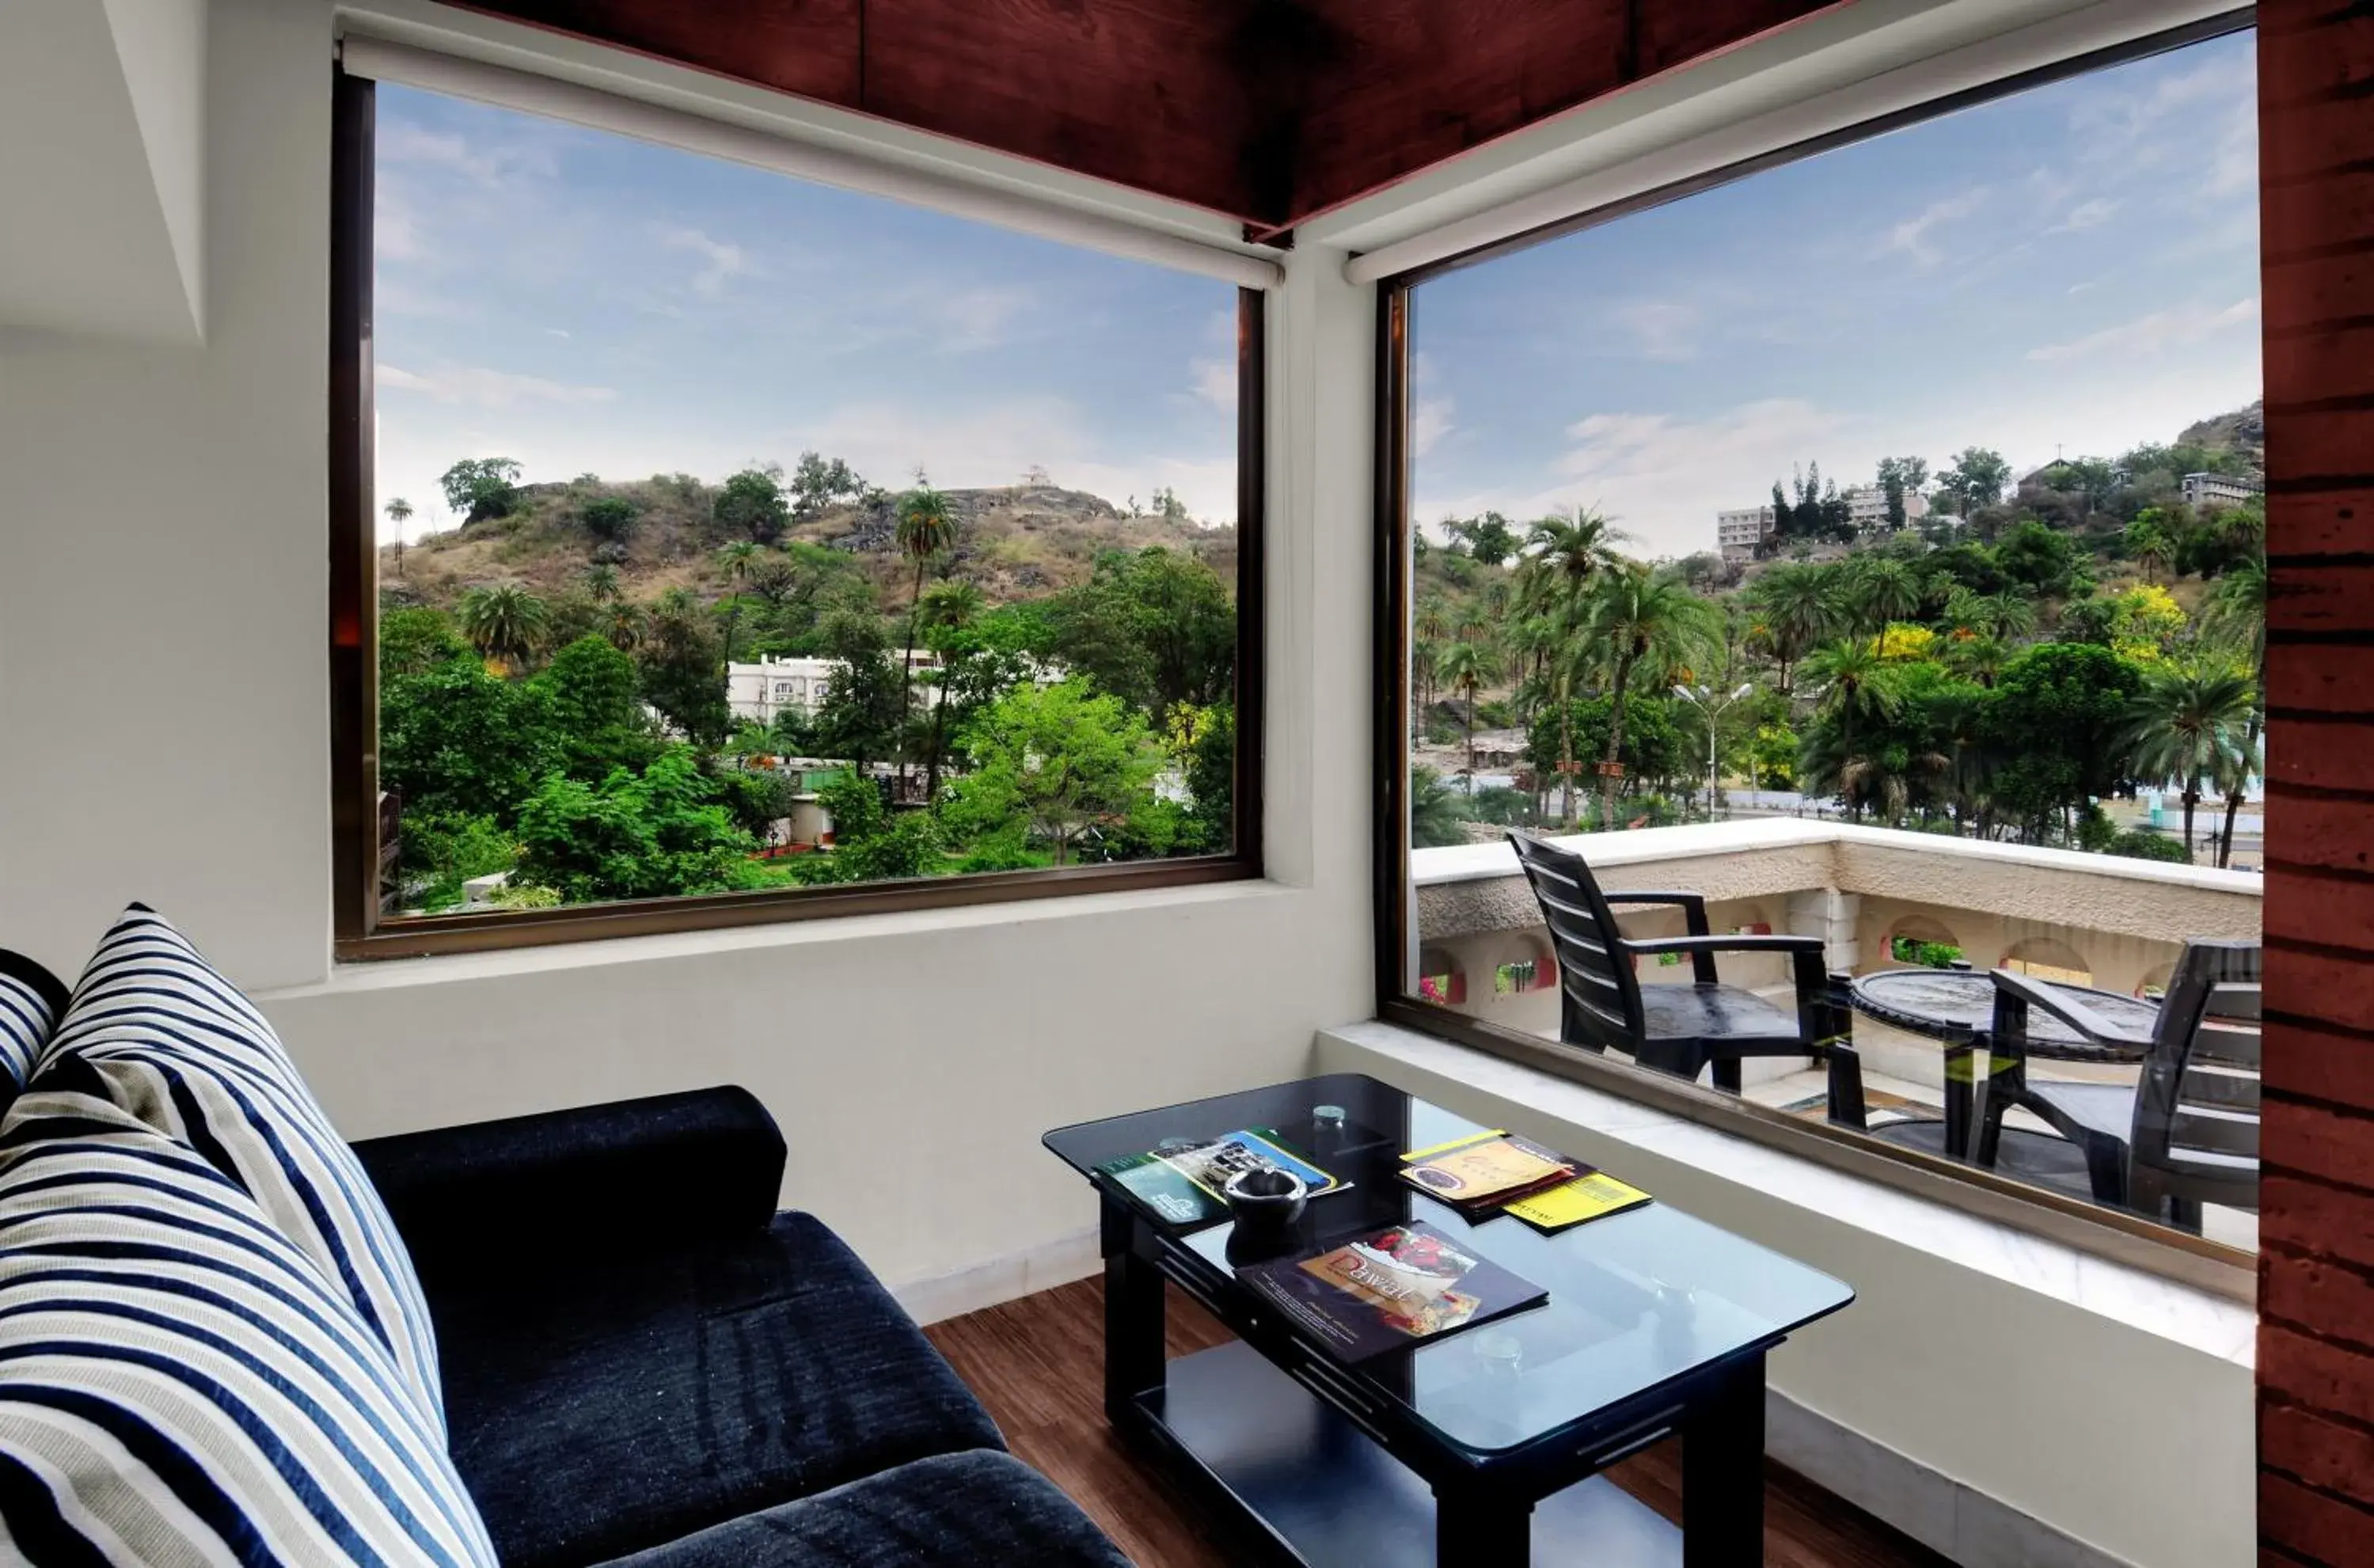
column 1181, row 1184
column 1388, row 1288
column 1485, row 1169
column 1591, row 1197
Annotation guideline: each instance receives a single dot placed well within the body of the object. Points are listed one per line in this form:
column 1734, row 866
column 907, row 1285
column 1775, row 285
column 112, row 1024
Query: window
column 1868, row 545
column 716, row 546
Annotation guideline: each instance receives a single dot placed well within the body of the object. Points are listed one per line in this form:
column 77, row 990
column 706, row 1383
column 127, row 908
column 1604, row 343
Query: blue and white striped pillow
column 179, row 1048
column 179, row 1382
column 30, row 1000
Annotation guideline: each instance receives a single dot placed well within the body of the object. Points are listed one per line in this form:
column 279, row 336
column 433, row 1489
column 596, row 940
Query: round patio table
column 1957, row 1006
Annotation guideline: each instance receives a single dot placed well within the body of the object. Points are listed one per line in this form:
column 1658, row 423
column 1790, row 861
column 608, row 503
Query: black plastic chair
column 2187, row 1132
column 1682, row 1030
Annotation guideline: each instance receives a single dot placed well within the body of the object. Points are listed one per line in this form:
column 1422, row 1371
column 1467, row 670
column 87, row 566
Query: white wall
column 172, row 502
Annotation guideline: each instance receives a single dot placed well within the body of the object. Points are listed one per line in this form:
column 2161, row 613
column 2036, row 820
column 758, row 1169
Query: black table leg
column 1961, row 1067
column 1134, row 1316
column 1473, row 1527
column 1722, row 1473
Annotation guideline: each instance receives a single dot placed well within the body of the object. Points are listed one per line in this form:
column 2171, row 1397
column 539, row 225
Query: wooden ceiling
column 1269, row 110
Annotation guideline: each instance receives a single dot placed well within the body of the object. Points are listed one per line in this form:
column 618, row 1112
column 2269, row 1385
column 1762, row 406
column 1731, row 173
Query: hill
column 2243, row 433
column 1016, row 543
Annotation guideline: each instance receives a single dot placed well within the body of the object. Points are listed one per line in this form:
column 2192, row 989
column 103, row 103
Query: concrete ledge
column 2042, row 1397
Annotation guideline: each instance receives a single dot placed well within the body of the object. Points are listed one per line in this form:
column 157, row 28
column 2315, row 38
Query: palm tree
column 1465, row 667
column 602, row 582
column 1974, row 658
column 1797, row 606
column 1428, row 626
column 945, row 607
column 626, row 628
column 1854, row 683
column 1884, row 589
column 1434, row 812
column 2236, row 615
column 1639, row 621
column 2187, row 724
column 505, row 623
column 1563, row 555
column 399, row 512
column 927, row 527
column 736, row 559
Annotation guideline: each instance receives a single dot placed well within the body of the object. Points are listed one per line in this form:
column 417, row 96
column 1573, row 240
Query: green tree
column 1156, row 629
column 945, row 609
column 1212, row 779
column 737, row 559
column 1463, row 666
column 864, row 712
column 1645, row 623
column 2051, row 723
column 817, row 484
column 1434, row 821
column 750, row 504
column 1796, row 606
column 1563, row 556
column 2147, row 544
column 480, row 488
column 1900, row 476
column 595, row 701
column 1976, row 479
column 683, row 668
column 1882, row 588
column 1491, row 539
column 455, row 739
column 1654, row 749
column 505, row 623
column 927, row 529
column 1062, row 760
column 2236, row 614
column 399, row 512
column 609, row 519
column 2042, row 558
column 2186, row 724
column 871, row 842
column 1851, row 684
column 660, row 834
column 415, row 640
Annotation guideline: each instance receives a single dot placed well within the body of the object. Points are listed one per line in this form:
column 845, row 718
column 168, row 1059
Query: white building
column 2222, row 490
column 1867, row 507
column 1737, row 533
column 759, row 692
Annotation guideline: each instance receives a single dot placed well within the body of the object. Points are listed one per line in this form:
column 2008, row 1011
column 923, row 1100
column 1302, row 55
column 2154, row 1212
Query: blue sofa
column 563, row 1341
column 646, row 1365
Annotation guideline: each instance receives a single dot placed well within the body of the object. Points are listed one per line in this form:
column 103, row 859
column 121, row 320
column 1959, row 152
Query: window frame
column 360, row 932
column 2127, row 1238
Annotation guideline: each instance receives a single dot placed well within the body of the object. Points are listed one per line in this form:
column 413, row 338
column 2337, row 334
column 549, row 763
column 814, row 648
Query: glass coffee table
column 1481, row 1447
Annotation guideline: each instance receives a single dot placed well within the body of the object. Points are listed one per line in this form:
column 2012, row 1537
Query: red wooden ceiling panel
column 1412, row 82
column 1266, row 109
column 810, row 48
column 1148, row 93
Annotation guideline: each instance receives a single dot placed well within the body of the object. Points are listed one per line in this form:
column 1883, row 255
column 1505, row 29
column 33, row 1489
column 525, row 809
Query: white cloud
column 1911, row 236
column 1660, row 329
column 720, row 259
column 485, row 388
column 1429, row 422
column 1214, row 381
column 2179, row 328
column 403, row 142
column 980, row 318
column 2090, row 214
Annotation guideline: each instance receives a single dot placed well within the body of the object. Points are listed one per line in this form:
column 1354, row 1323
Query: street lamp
column 1712, row 706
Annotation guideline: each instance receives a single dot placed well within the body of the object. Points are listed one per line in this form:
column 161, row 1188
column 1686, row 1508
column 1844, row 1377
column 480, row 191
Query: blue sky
column 584, row 302
column 2076, row 266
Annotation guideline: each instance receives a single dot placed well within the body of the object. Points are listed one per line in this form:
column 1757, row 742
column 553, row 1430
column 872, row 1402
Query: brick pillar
column 2316, row 1269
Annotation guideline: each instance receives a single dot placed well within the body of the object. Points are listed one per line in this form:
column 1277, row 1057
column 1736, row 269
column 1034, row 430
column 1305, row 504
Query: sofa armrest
column 660, row 1171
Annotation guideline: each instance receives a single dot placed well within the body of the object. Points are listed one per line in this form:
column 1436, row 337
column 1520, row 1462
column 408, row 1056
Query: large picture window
column 1862, row 553
column 716, row 545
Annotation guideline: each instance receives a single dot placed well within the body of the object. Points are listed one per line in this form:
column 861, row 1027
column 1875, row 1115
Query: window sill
column 347, row 977
column 1719, row 1173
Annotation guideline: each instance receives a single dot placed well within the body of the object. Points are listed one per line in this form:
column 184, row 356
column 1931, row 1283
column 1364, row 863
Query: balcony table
column 1957, row 1006
column 1479, row 1446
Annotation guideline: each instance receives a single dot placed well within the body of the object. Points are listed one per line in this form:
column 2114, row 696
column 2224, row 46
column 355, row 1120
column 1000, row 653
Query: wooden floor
column 1038, row 1364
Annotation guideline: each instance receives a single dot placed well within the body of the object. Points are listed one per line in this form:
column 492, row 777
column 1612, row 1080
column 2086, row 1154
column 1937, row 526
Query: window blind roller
column 601, row 111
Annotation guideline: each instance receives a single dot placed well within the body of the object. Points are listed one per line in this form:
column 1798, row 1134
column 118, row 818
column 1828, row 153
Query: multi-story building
column 1867, row 506
column 2222, row 490
column 1737, row 533
column 759, row 692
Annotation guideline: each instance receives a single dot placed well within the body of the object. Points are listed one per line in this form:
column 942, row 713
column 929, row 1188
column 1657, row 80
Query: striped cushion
column 178, row 1384
column 180, row 1048
column 27, row 1013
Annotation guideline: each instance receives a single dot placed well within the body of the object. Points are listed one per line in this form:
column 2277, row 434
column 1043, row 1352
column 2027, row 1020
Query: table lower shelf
column 1327, row 1494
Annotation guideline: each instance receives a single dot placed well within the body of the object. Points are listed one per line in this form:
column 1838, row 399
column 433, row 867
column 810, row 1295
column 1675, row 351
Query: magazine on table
column 1181, row 1184
column 1592, row 1196
column 1390, row 1288
column 1481, row 1173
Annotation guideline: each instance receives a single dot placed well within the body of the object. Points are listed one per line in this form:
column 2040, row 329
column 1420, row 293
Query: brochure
column 1590, row 1197
column 1181, row 1184
column 1486, row 1169
column 1389, row 1288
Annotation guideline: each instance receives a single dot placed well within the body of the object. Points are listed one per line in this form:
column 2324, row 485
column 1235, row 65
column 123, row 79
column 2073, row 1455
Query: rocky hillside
column 2242, row 432
column 1016, row 543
